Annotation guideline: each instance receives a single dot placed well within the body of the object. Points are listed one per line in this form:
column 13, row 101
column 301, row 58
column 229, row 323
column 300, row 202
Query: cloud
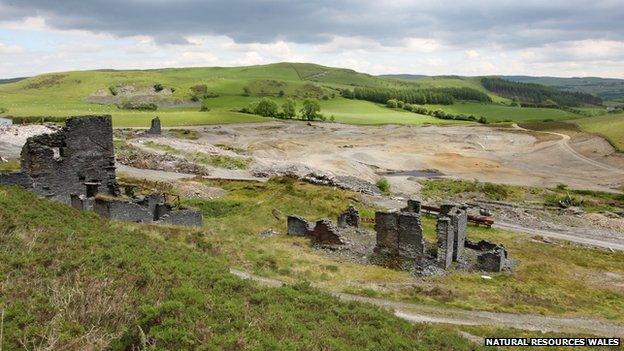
column 505, row 23
column 558, row 37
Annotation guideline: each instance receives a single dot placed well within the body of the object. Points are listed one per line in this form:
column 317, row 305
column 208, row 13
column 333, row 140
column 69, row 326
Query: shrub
column 400, row 104
column 482, row 120
column 325, row 97
column 204, row 106
column 289, row 108
column 310, row 110
column 113, row 90
column 346, row 93
column 200, row 92
column 383, row 185
column 158, row 87
column 392, row 103
column 266, row 108
column 3, row 110
column 141, row 106
column 246, row 91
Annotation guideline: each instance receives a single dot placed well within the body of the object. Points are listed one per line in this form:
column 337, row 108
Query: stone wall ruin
column 76, row 166
column 400, row 234
column 74, row 160
column 324, row 232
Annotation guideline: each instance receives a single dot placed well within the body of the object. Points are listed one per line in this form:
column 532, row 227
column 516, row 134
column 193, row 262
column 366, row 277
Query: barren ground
column 403, row 153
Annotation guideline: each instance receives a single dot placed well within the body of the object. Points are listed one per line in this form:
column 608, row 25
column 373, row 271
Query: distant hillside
column 11, row 80
column 605, row 88
column 537, row 95
column 404, row 76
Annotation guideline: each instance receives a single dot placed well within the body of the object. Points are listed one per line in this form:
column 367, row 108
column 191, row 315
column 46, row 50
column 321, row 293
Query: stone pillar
column 412, row 206
column 459, row 223
column 444, row 234
column 411, row 242
column 155, row 126
column 386, row 227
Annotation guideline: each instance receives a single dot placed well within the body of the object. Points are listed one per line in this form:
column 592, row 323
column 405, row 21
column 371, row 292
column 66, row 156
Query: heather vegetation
column 74, row 281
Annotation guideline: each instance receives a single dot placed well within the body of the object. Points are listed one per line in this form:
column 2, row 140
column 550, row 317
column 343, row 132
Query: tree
column 392, row 103
column 266, row 108
column 310, row 109
column 246, row 91
column 289, row 108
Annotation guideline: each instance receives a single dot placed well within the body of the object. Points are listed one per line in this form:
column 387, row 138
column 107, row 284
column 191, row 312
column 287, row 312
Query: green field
column 68, row 93
column 610, row 126
column 503, row 113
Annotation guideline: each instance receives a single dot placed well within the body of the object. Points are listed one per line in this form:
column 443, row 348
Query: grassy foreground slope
column 73, row 281
column 610, row 126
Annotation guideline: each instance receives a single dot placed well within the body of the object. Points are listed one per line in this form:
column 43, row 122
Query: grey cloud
column 502, row 23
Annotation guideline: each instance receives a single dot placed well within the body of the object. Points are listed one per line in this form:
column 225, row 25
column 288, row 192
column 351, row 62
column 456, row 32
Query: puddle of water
column 5, row 122
column 422, row 173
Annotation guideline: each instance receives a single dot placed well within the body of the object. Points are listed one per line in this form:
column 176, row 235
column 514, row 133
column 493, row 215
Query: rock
column 267, row 233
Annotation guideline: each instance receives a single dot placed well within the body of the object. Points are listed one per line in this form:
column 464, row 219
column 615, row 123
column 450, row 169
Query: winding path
column 421, row 313
column 563, row 143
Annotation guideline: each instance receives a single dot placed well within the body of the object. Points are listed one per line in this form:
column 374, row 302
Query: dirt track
column 420, row 313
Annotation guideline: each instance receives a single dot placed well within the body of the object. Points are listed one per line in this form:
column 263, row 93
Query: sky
column 562, row 38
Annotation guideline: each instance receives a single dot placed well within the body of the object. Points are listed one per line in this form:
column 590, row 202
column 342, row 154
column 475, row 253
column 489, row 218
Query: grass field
column 74, row 281
column 503, row 113
column 66, row 94
column 552, row 279
column 610, row 126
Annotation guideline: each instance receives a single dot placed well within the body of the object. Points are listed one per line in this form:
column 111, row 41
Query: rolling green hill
column 232, row 88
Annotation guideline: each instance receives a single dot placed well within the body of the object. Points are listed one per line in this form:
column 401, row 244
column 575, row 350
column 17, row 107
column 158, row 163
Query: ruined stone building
column 78, row 159
column 76, row 165
column 400, row 234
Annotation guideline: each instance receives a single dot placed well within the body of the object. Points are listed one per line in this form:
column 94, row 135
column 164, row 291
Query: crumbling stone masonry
column 412, row 206
column 493, row 257
column 459, row 223
column 349, row 218
column 155, row 126
column 76, row 166
column 326, row 233
column 298, row 226
column 444, row 235
column 399, row 233
column 78, row 159
column 152, row 209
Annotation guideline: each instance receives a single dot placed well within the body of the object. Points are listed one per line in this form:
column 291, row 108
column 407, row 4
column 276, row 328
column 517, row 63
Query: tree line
column 537, row 95
column 440, row 96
